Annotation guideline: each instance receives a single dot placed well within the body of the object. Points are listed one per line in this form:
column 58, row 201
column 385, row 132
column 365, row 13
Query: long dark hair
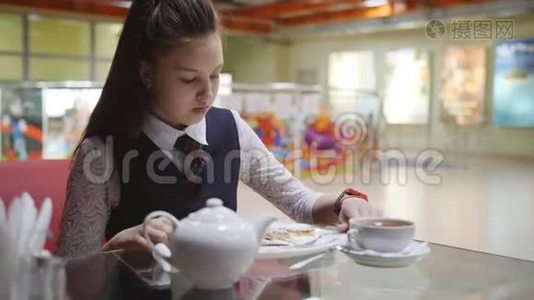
column 151, row 27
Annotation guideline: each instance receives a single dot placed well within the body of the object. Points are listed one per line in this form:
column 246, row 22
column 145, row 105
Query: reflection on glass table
column 446, row 273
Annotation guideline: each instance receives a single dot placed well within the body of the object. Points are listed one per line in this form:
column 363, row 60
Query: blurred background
column 425, row 105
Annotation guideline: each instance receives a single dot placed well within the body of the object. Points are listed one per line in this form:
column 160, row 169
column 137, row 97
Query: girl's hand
column 353, row 208
column 132, row 238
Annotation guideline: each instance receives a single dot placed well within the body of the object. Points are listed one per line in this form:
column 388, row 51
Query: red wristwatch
column 347, row 192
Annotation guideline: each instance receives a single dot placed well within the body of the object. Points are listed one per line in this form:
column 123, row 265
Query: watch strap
column 352, row 193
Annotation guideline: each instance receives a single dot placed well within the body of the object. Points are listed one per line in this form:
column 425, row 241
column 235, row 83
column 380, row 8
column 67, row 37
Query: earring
column 148, row 83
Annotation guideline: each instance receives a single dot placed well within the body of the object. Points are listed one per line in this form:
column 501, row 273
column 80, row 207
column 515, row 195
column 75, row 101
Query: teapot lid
column 214, row 212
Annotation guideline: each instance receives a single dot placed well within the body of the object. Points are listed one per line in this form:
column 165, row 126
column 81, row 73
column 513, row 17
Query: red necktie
column 185, row 145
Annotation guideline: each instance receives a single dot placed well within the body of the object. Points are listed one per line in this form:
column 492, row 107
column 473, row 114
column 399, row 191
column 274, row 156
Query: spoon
column 160, row 252
column 303, row 263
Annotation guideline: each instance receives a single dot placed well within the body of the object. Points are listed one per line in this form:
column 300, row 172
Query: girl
column 154, row 142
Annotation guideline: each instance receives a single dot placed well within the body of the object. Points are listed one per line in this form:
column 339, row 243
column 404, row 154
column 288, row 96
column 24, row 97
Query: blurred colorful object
column 318, row 148
column 21, row 124
column 67, row 111
column 320, row 133
column 321, row 141
column 463, row 82
column 269, row 129
column 513, row 88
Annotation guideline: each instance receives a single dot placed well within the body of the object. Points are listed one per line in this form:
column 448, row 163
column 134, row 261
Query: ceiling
column 264, row 17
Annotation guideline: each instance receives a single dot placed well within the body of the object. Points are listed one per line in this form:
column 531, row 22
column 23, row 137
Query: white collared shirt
column 165, row 136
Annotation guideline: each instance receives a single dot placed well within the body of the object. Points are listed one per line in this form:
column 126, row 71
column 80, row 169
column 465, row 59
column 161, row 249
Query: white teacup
column 380, row 234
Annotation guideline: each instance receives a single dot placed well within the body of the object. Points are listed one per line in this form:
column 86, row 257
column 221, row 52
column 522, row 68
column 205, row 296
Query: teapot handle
column 159, row 251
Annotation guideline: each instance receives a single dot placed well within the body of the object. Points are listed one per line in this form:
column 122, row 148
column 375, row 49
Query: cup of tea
column 380, row 234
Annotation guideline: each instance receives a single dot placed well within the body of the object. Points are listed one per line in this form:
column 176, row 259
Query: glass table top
column 445, row 273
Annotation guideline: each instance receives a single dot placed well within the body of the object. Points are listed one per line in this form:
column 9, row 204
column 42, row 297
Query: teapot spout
column 261, row 225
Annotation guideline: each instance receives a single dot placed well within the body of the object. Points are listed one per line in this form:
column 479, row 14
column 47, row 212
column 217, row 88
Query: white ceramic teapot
column 212, row 247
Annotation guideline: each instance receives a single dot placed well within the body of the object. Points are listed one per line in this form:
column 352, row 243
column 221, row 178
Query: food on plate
column 289, row 233
column 308, row 232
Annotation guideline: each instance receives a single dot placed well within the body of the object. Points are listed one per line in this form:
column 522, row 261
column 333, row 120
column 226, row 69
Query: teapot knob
column 214, row 202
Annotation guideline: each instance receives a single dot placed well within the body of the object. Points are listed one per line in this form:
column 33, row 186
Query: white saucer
column 410, row 255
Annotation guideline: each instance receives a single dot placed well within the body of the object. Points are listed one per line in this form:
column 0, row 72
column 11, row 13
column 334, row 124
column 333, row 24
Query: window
column 11, row 47
column 351, row 77
column 407, row 89
column 11, row 28
column 11, row 69
column 102, row 70
column 58, row 48
column 59, row 36
column 46, row 69
column 107, row 37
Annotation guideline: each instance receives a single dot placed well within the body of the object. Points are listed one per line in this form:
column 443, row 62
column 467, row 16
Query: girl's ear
column 146, row 73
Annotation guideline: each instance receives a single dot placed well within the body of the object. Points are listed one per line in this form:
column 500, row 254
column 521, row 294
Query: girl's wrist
column 346, row 194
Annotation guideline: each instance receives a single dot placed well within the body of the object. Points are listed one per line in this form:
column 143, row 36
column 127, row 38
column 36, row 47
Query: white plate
column 389, row 260
column 289, row 251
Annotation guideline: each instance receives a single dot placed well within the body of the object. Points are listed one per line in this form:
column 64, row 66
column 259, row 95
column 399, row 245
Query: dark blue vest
column 141, row 194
